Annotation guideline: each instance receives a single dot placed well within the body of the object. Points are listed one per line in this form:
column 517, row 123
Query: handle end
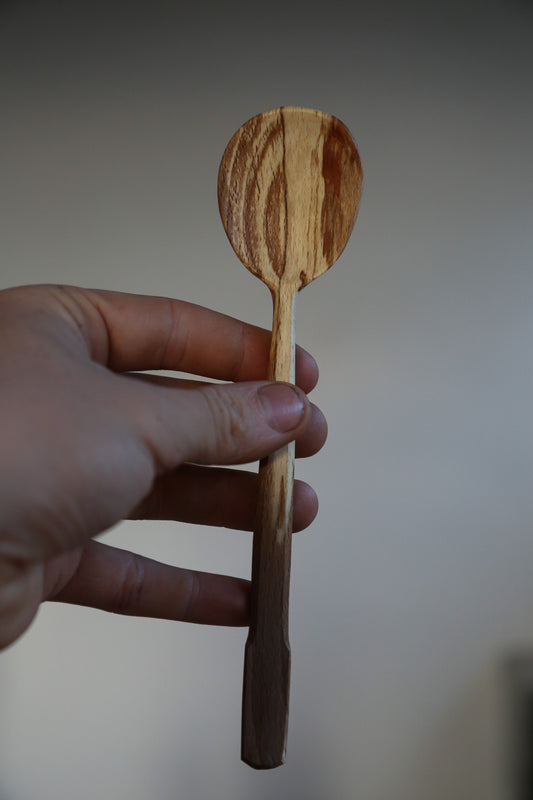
column 265, row 706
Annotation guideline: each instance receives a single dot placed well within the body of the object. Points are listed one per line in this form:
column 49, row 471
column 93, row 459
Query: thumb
column 226, row 423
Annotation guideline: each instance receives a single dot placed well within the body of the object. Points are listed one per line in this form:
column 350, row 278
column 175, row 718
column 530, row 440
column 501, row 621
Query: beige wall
column 417, row 576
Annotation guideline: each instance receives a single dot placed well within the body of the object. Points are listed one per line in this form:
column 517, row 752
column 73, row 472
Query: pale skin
column 87, row 441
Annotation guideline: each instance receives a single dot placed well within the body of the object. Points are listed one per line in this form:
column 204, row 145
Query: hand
column 86, row 443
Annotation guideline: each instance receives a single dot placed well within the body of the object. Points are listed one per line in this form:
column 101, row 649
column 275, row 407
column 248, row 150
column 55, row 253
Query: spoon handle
column 267, row 661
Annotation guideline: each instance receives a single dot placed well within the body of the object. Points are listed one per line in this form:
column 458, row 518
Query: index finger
column 139, row 332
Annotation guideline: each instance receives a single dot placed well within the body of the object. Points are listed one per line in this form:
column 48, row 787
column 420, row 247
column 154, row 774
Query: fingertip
column 284, row 405
column 306, row 370
column 314, row 436
column 220, row 600
column 305, row 506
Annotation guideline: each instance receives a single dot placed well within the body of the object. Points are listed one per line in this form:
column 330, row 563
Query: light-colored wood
column 288, row 190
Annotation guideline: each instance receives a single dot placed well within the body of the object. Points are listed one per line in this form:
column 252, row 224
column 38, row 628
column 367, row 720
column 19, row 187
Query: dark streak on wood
column 341, row 169
column 274, row 227
column 275, row 236
column 248, row 153
column 284, row 152
column 281, row 520
column 246, row 181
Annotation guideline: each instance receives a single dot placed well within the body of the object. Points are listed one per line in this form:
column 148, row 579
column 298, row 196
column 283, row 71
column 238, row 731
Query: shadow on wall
column 518, row 687
column 3, row 682
column 468, row 746
column 312, row 781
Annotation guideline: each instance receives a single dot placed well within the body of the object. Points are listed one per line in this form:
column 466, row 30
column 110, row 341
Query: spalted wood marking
column 289, row 186
column 341, row 171
column 251, row 192
column 288, row 190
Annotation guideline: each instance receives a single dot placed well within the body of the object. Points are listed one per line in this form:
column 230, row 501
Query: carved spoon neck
column 281, row 364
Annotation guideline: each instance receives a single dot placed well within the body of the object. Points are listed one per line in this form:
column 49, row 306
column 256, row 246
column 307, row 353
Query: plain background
column 416, row 580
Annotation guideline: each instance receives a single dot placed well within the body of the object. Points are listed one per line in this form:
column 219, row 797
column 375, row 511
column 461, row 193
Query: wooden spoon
column 288, row 190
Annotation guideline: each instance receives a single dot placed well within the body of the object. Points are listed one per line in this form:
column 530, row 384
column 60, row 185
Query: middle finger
column 222, row 497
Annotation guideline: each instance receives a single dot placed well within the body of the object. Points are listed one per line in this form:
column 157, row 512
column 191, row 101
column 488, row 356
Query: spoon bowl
column 289, row 187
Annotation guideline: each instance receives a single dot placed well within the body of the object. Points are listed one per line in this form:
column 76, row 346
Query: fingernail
column 283, row 406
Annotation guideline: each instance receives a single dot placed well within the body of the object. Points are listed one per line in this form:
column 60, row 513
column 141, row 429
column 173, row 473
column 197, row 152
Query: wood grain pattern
column 289, row 186
column 265, row 707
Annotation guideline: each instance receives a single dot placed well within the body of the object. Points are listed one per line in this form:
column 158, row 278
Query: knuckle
column 153, row 504
column 229, row 416
column 191, row 590
column 130, row 585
